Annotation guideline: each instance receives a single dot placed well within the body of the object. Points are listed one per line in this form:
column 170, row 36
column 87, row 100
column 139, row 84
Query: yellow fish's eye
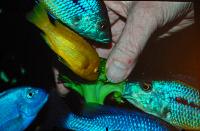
column 146, row 86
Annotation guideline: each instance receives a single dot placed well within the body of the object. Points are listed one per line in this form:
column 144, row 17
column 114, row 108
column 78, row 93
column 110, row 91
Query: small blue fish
column 19, row 107
column 107, row 118
column 89, row 18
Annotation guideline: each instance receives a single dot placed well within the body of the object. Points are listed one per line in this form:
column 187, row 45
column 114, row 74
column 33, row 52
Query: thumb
column 139, row 26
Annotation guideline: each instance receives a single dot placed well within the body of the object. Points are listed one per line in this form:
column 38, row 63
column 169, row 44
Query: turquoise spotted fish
column 172, row 101
column 114, row 119
column 89, row 18
column 19, row 107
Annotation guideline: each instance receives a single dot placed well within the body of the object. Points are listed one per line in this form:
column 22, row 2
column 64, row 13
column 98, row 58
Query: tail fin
column 39, row 17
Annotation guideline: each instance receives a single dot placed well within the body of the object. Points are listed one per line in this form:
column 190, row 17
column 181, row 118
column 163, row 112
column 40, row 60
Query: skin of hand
column 142, row 19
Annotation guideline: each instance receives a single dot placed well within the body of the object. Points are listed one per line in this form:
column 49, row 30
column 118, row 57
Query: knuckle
column 131, row 49
column 128, row 53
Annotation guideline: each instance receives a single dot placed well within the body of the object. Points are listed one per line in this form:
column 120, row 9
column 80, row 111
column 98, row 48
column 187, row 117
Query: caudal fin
column 39, row 17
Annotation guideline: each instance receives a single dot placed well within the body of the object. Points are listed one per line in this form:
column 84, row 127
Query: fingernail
column 116, row 72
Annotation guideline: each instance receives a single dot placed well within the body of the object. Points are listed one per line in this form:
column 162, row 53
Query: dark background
column 173, row 58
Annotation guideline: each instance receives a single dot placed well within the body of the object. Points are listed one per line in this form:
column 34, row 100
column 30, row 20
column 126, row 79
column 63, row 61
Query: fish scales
column 172, row 101
column 10, row 112
column 81, row 7
column 89, row 18
column 114, row 120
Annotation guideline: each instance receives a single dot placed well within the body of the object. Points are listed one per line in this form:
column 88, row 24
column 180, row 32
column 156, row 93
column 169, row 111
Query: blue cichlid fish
column 89, row 18
column 172, row 101
column 19, row 107
column 109, row 118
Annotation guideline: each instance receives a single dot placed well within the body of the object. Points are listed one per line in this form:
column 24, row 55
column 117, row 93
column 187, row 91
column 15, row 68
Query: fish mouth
column 127, row 96
column 107, row 40
column 44, row 97
column 134, row 102
column 130, row 99
column 91, row 77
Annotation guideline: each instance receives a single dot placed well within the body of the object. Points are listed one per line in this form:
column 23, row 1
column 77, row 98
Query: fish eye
column 30, row 94
column 146, row 86
column 102, row 25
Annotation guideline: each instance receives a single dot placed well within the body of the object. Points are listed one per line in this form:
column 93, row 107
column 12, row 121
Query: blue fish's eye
column 146, row 86
column 102, row 25
column 30, row 94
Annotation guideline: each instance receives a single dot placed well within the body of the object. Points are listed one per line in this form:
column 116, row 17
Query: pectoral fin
column 166, row 113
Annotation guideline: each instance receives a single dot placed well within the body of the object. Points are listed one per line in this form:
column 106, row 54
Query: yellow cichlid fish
column 74, row 51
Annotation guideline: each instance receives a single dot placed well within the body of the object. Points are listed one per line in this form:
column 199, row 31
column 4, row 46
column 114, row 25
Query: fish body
column 172, row 101
column 107, row 118
column 19, row 107
column 89, row 18
column 72, row 50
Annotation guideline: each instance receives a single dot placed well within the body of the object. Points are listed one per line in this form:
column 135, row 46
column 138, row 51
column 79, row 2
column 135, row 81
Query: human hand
column 129, row 37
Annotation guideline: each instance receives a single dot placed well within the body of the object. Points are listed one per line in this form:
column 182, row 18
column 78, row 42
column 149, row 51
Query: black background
column 22, row 46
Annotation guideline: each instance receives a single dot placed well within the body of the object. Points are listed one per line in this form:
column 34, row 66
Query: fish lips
column 131, row 99
column 105, row 41
column 95, row 39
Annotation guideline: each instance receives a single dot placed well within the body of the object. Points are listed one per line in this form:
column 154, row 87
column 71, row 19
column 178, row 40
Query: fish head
column 93, row 27
column 147, row 96
column 31, row 100
column 89, row 18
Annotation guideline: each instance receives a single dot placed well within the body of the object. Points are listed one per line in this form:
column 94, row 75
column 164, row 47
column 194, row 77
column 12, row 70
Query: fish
column 72, row 50
column 20, row 106
column 106, row 118
column 173, row 101
column 89, row 18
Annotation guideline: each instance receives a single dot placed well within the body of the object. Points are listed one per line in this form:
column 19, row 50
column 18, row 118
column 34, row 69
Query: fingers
column 140, row 25
column 104, row 52
column 142, row 20
column 117, row 6
column 187, row 21
column 113, row 17
column 117, row 29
